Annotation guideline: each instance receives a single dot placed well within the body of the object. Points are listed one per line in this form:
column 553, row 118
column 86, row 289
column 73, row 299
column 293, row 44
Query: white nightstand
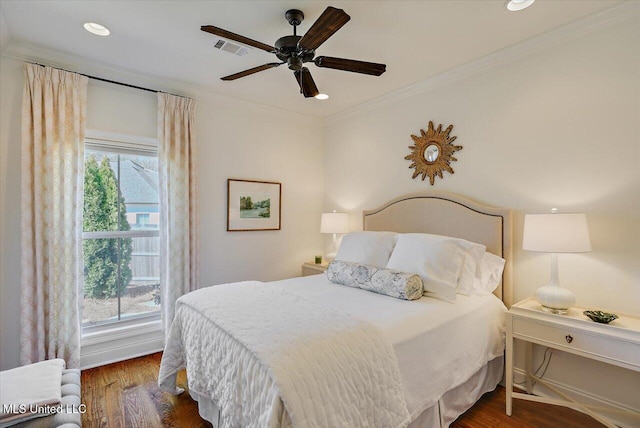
column 616, row 343
column 310, row 268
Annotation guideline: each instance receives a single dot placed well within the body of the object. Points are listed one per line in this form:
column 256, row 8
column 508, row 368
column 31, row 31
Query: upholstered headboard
column 450, row 215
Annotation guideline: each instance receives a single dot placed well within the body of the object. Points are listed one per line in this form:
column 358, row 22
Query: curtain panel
column 53, row 121
column 178, row 203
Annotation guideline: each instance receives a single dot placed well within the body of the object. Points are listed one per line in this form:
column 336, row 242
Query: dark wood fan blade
column 329, row 22
column 351, row 65
column 251, row 71
column 307, row 85
column 238, row 38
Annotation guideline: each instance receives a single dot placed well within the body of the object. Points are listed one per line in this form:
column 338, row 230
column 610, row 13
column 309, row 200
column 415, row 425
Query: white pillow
column 369, row 248
column 437, row 259
column 472, row 265
column 490, row 276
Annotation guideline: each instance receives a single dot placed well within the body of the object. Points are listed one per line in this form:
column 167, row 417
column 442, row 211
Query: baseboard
column 581, row 396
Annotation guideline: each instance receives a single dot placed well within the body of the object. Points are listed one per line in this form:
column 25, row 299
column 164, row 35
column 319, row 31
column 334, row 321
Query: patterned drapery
column 53, row 120
column 178, row 204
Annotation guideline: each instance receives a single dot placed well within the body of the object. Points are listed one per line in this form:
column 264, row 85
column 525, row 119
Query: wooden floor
column 126, row 394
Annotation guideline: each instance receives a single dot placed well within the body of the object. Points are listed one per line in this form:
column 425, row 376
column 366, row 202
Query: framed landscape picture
column 253, row 205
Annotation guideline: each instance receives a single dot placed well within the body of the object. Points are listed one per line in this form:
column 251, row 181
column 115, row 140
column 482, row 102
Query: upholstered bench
column 70, row 415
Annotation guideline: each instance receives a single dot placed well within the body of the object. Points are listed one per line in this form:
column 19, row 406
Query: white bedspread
column 274, row 348
column 438, row 344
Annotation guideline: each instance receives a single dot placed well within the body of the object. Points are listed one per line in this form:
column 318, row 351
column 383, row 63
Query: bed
column 438, row 357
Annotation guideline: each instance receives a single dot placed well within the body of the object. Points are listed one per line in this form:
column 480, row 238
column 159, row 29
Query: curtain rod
column 110, row 81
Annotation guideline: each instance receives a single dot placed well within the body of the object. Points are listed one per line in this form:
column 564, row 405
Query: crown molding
column 627, row 10
column 31, row 53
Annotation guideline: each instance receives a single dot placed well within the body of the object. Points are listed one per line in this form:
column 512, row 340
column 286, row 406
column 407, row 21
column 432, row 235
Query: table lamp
column 334, row 223
column 556, row 233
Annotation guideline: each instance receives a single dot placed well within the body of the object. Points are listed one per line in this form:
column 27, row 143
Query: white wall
column 557, row 126
column 236, row 139
column 10, row 101
column 240, row 140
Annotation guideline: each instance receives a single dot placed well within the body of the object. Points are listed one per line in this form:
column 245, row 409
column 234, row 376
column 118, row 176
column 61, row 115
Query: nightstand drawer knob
column 569, row 338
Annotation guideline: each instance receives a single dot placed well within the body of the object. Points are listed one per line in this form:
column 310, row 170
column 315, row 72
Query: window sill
column 116, row 342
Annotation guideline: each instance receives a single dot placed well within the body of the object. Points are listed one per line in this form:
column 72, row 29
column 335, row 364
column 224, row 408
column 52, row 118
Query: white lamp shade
column 334, row 223
column 556, row 233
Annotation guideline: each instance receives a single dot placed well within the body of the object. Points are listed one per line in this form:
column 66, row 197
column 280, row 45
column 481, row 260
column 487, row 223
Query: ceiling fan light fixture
column 517, row 5
column 322, row 97
column 97, row 29
column 294, row 63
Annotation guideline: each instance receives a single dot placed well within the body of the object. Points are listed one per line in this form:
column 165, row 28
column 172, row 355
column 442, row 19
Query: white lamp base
column 555, row 299
column 552, row 297
column 334, row 249
column 329, row 257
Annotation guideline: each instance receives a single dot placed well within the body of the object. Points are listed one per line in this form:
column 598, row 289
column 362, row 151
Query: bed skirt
column 449, row 407
column 456, row 401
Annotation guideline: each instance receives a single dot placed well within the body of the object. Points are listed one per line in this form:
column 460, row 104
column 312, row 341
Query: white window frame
column 123, row 339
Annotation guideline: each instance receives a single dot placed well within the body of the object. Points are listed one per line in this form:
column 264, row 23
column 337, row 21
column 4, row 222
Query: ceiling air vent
column 231, row 48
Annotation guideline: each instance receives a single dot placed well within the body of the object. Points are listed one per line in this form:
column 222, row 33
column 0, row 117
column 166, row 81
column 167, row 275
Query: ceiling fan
column 296, row 50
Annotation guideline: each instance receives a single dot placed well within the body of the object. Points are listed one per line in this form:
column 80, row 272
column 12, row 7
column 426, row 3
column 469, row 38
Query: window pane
column 139, row 189
column 136, row 282
column 101, row 203
column 101, row 280
column 142, row 293
column 121, row 192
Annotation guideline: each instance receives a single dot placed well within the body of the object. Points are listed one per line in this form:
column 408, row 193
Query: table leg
column 528, row 366
column 509, row 366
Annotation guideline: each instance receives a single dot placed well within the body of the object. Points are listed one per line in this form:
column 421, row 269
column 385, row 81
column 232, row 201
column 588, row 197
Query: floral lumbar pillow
column 390, row 282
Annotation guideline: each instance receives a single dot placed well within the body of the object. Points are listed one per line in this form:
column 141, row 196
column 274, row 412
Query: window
column 142, row 220
column 121, row 242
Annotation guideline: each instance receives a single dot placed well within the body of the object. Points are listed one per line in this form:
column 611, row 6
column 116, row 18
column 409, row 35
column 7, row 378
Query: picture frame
column 253, row 205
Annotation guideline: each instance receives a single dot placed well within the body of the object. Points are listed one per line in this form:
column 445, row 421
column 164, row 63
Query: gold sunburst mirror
column 432, row 152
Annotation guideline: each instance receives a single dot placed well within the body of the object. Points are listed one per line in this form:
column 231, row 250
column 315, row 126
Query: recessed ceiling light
column 322, row 96
column 516, row 5
column 97, row 29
